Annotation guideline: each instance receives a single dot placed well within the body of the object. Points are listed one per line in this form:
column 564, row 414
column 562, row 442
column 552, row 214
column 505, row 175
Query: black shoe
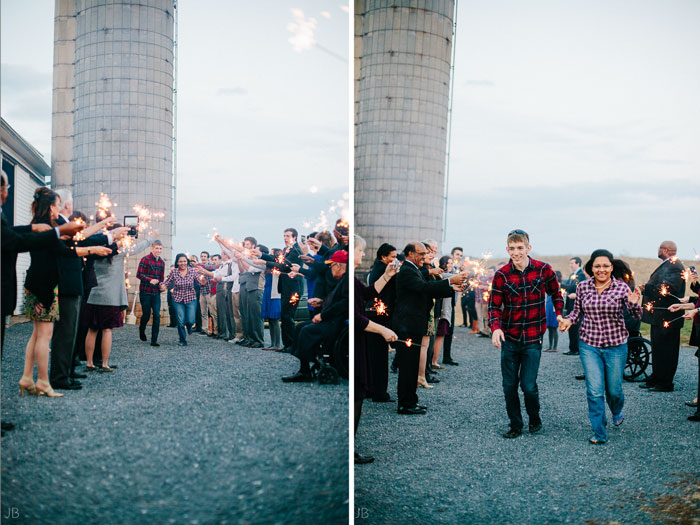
column 7, row 425
column 535, row 427
column 450, row 362
column 155, row 344
column 385, row 398
column 242, row 342
column 411, row 411
column 67, row 386
column 694, row 417
column 299, row 377
column 661, row 389
column 142, row 336
column 255, row 345
column 76, row 375
column 481, row 334
column 361, row 460
column 581, row 377
column 513, row 433
column 691, row 404
column 287, row 350
column 570, row 353
column 432, row 379
column 647, row 385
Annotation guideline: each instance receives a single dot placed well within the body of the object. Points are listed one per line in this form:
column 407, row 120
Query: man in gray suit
column 252, row 284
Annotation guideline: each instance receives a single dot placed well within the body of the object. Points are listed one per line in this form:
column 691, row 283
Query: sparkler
column 407, row 342
column 663, row 290
column 379, row 307
column 79, row 236
column 668, row 323
column 146, row 216
column 294, row 299
column 103, row 206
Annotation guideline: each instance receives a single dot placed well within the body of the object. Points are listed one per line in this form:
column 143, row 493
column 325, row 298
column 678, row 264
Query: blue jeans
column 603, row 368
column 185, row 317
column 519, row 365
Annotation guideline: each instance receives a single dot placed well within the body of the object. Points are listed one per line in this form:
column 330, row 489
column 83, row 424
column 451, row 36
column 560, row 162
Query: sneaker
column 618, row 419
column 513, row 433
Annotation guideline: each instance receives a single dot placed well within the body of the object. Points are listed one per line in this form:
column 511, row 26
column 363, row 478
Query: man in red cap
column 324, row 325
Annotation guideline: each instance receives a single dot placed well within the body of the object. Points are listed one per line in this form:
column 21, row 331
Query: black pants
column 407, row 358
column 310, row 338
column 665, row 345
column 171, row 310
column 65, row 331
column 287, row 320
column 378, row 350
column 197, row 316
column 447, row 343
column 150, row 302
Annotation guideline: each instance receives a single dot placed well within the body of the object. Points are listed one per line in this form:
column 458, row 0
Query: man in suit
column 665, row 282
column 252, row 282
column 288, row 286
column 576, row 277
column 414, row 294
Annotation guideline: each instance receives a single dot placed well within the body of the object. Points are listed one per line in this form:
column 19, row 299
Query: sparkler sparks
column 668, row 323
column 663, row 290
column 407, row 342
column 103, row 206
column 294, row 299
column 379, row 307
column 146, row 216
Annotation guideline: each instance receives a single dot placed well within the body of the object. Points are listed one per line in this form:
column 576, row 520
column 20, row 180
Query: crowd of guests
column 517, row 305
column 76, row 295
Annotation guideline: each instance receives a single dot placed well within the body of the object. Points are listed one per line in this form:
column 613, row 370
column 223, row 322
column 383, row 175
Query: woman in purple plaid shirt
column 603, row 336
column 184, row 297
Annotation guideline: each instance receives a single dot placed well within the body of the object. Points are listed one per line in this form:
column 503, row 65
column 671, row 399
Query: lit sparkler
column 103, row 206
column 294, row 299
column 663, row 290
column 146, row 216
column 379, row 307
column 668, row 323
column 407, row 342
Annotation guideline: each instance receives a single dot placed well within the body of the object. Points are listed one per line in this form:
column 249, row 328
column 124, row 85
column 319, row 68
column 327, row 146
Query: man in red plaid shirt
column 518, row 321
column 151, row 272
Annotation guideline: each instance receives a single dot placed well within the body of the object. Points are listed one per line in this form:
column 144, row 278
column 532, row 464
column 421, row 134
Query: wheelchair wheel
column 327, row 375
column 638, row 358
column 341, row 354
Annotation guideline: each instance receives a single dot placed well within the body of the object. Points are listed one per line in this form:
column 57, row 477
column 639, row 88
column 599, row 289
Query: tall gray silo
column 403, row 53
column 119, row 140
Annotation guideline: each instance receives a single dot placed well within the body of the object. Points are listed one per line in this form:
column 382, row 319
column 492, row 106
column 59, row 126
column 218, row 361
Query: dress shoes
column 362, row 460
column 570, row 353
column 288, row 350
column 242, row 342
column 142, row 336
column 67, row 386
column 691, row 404
column 432, row 379
column 382, row 398
column 661, row 389
column 535, row 427
column 76, row 375
column 450, row 362
column 299, row 377
column 6, row 425
column 255, row 345
column 581, row 377
column 694, row 417
column 513, row 433
column 411, row 411
column 647, row 385
column 154, row 344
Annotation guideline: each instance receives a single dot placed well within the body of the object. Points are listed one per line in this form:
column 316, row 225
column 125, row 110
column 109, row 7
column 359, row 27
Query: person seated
column 326, row 324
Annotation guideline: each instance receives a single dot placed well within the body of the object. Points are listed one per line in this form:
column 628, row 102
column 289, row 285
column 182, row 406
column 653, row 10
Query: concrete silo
column 113, row 106
column 403, row 55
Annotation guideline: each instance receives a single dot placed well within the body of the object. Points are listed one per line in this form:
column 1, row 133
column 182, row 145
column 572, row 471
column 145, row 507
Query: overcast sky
column 579, row 122
column 262, row 121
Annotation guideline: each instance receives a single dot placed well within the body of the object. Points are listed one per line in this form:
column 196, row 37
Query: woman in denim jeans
column 601, row 302
column 184, row 298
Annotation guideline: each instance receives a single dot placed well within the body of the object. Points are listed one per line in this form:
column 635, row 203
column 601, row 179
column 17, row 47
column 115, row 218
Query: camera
column 132, row 222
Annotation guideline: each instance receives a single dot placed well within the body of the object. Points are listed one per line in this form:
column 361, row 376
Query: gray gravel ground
column 202, row 434
column 453, row 466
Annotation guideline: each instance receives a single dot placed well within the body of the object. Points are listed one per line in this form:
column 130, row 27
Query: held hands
column 389, row 335
column 497, row 338
column 315, row 302
column 564, row 323
column 317, row 319
column 153, row 281
column 163, row 287
column 571, row 296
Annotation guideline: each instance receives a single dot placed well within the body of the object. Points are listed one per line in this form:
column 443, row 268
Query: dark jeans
column 150, row 302
column 378, row 350
column 519, row 365
column 447, row 343
column 65, row 331
column 287, row 320
column 171, row 310
column 198, row 315
column 573, row 339
column 665, row 345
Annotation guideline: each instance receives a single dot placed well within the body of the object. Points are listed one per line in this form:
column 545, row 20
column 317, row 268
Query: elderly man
column 326, row 324
column 665, row 282
column 414, row 295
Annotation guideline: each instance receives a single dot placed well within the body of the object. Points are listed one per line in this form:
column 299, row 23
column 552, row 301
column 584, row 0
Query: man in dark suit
column 570, row 285
column 414, row 294
column 665, row 282
column 288, row 286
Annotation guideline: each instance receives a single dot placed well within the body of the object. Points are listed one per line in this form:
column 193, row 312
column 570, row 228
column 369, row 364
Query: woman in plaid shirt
column 184, row 297
column 603, row 336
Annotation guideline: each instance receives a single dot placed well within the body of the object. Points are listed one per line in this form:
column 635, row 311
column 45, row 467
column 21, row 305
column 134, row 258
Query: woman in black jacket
column 41, row 303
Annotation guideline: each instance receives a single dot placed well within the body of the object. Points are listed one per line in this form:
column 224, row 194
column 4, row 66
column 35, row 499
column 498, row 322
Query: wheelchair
column 638, row 358
column 334, row 359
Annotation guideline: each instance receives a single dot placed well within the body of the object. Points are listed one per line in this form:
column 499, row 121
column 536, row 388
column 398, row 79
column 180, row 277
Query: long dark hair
column 620, row 268
column 443, row 261
column 384, row 250
column 44, row 198
column 177, row 258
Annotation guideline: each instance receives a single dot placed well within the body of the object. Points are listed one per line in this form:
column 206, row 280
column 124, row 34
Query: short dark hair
column 577, row 260
column 252, row 241
column 216, row 255
column 411, row 248
column 203, row 252
column 457, row 248
column 294, row 233
column 157, row 242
